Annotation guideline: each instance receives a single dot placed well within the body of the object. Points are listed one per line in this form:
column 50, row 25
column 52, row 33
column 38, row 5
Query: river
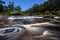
column 16, row 30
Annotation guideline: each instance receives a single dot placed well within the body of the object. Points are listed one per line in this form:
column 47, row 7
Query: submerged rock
column 11, row 33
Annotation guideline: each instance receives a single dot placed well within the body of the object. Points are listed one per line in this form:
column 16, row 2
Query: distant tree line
column 10, row 9
column 49, row 8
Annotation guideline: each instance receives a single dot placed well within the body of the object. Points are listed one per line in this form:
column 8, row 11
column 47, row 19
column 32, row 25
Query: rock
column 11, row 33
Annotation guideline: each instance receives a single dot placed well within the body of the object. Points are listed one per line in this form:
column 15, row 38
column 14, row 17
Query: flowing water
column 10, row 33
column 27, row 19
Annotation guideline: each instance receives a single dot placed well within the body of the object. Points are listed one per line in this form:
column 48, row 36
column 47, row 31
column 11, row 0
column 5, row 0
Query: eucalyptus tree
column 11, row 6
column 18, row 8
column 1, row 5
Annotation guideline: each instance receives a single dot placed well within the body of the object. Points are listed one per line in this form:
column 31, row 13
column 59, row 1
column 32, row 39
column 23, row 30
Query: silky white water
column 14, row 31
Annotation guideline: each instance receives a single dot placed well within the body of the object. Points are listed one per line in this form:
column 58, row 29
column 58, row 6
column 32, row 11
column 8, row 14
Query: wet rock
column 3, row 21
column 11, row 33
column 29, row 21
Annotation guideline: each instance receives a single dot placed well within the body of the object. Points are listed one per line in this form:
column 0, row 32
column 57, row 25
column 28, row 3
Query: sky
column 25, row 4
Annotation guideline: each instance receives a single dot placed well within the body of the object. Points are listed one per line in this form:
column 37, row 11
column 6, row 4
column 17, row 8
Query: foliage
column 1, row 6
column 50, row 8
column 10, row 9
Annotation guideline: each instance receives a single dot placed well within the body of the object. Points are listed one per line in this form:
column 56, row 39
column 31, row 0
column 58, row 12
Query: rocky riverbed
column 10, row 29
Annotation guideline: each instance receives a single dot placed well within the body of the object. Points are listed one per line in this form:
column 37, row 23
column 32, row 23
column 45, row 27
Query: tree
column 5, row 8
column 11, row 6
column 18, row 8
column 1, row 5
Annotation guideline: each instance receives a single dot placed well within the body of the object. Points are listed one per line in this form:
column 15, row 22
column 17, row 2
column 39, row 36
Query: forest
column 49, row 8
